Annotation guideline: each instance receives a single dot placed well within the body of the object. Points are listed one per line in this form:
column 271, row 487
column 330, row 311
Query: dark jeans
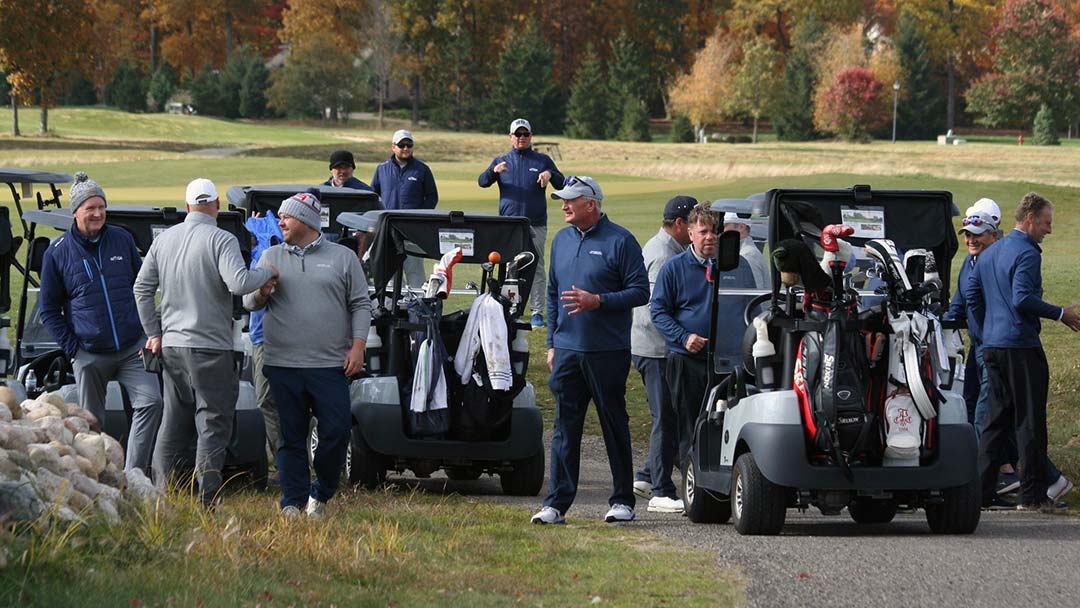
column 1018, row 383
column 577, row 378
column 300, row 394
column 688, row 378
column 661, row 458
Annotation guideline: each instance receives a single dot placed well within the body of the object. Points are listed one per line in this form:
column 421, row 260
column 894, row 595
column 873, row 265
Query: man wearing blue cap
column 405, row 182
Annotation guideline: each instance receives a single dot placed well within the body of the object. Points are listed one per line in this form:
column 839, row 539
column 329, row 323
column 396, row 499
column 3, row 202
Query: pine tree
column 681, row 129
column 523, row 87
column 921, row 111
column 589, row 111
column 1044, row 130
column 635, row 121
column 628, row 83
column 794, row 114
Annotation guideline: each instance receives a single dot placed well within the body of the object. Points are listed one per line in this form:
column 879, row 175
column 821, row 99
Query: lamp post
column 895, row 98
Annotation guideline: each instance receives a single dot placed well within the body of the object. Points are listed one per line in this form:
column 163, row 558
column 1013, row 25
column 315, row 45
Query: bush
column 635, row 122
column 127, row 90
column 162, row 85
column 853, row 106
column 681, row 129
column 1044, row 131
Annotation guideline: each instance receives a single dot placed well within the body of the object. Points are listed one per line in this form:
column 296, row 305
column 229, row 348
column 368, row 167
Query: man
column 1005, row 298
column 680, row 308
column 198, row 268
column 597, row 277
column 405, row 182
column 341, row 172
column 88, row 307
column 523, row 175
column 748, row 250
column 321, row 284
column 649, row 355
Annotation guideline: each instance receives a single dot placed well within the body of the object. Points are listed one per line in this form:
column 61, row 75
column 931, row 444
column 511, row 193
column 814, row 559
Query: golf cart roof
column 31, row 176
column 431, row 233
column 335, row 201
column 144, row 223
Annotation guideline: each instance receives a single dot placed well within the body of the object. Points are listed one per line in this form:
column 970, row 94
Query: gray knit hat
column 304, row 207
column 83, row 189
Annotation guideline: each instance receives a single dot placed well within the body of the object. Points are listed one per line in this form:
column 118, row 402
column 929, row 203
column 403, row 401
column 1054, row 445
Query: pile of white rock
column 54, row 461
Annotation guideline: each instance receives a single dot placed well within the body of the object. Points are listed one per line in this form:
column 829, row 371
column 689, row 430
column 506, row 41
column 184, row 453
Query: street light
column 895, row 97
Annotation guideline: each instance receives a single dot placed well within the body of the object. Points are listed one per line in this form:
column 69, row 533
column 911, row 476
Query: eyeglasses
column 573, row 179
column 976, row 221
column 404, row 145
column 522, row 134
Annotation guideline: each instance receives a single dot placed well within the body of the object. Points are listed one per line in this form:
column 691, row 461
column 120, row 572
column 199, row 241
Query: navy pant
column 300, row 394
column 576, row 378
column 661, row 458
column 688, row 377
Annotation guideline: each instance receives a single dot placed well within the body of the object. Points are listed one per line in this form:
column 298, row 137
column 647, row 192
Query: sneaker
column 548, row 515
column 999, row 504
column 643, row 489
column 316, row 509
column 290, row 512
column 619, row 513
column 537, row 320
column 663, row 504
column 1059, row 489
column 1008, row 483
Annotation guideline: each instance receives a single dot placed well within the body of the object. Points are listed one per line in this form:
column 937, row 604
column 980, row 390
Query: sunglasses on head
column 522, row 134
column 573, row 179
column 976, row 221
column 405, row 144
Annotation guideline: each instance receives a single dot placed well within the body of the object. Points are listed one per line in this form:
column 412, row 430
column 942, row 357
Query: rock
column 9, row 469
column 114, row 452
column 68, row 464
column 59, row 490
column 76, row 425
column 112, row 476
column 44, row 456
column 19, row 501
column 89, row 418
column 5, row 414
column 72, row 408
column 92, row 447
column 43, row 410
column 54, row 399
column 139, row 486
column 15, row 436
column 56, row 430
column 8, row 398
column 84, row 484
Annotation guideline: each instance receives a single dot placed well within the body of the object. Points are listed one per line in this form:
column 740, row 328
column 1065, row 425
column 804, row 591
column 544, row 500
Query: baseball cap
column 342, row 157
column 575, row 186
column 731, row 217
column 520, row 123
column 679, row 206
column 977, row 222
column 989, row 207
column 401, row 134
column 200, row 191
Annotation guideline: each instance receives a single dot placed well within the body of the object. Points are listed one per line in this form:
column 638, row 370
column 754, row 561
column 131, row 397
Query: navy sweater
column 408, row 187
column 519, row 194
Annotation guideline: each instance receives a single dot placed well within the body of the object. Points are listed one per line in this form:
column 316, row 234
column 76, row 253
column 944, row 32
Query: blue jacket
column 86, row 298
column 958, row 306
column 681, row 303
column 605, row 260
column 352, row 182
column 408, row 187
column 1005, row 292
column 519, row 194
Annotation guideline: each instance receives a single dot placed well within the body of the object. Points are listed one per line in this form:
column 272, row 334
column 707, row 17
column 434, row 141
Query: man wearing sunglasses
column 405, row 182
column 1004, row 298
column 523, row 175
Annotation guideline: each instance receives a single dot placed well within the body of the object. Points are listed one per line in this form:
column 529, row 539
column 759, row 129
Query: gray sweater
column 198, row 267
column 645, row 339
column 321, row 303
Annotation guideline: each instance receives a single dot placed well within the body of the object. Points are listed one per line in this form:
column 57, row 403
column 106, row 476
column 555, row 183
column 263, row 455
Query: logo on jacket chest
column 116, row 258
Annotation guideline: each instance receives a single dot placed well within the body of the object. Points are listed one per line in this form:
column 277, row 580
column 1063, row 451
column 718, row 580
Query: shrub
column 681, row 129
column 852, row 107
column 1044, row 131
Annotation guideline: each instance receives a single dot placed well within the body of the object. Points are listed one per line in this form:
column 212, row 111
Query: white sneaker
column 548, row 515
column 663, row 504
column 643, row 489
column 316, row 509
column 619, row 513
column 290, row 512
column 1059, row 489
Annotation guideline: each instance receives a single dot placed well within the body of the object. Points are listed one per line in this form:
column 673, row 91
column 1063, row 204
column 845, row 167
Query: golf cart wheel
column 526, row 478
column 758, row 506
column 367, row 469
column 313, row 442
column 868, row 511
column 702, row 507
column 958, row 513
column 463, row 473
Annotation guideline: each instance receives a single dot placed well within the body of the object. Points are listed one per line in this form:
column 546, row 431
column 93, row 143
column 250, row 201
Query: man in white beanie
column 748, row 250
column 321, row 285
column 88, row 306
column 198, row 268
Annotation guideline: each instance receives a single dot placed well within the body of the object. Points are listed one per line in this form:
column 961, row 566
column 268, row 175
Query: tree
column 700, row 94
column 589, row 111
column 523, row 84
column 756, row 84
column 793, row 115
column 922, row 111
column 1029, row 70
column 127, row 91
column 162, row 85
column 853, row 106
column 120, row 23
column 253, row 84
column 635, row 121
column 195, row 34
column 308, row 83
column 1044, row 130
column 681, row 129
column 629, row 83
column 383, row 45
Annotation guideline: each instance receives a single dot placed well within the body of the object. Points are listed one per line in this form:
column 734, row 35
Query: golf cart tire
column 758, row 506
column 702, row 507
column 367, row 468
column 959, row 511
column 869, row 511
column 526, row 478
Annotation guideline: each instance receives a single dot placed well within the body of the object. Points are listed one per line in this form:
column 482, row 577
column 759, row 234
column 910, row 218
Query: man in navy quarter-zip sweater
column 89, row 308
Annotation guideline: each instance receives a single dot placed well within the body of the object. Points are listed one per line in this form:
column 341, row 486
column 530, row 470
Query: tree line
column 811, row 68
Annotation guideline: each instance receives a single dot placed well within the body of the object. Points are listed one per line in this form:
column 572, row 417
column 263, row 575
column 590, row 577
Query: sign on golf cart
column 863, row 413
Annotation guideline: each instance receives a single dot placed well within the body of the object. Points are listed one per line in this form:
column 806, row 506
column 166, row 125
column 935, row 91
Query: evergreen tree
column 253, row 89
column 635, row 121
column 162, row 85
column 628, row 81
column 1044, row 130
column 5, row 90
column 206, row 92
column 589, row 110
column 681, row 129
column 127, row 90
column 921, row 111
column 523, row 86
column 794, row 113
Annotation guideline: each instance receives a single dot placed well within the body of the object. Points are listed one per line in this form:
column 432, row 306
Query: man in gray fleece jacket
column 198, row 268
column 315, row 330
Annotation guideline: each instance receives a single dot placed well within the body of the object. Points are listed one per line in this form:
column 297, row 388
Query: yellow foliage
column 702, row 93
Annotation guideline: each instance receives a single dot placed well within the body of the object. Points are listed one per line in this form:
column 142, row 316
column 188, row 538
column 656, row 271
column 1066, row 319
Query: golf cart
column 43, row 366
column 412, row 410
column 846, row 396
column 335, row 201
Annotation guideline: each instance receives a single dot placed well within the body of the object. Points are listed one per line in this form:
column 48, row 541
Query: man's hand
column 501, row 167
column 695, row 343
column 1071, row 318
column 354, row 359
column 551, row 360
column 154, row 345
column 578, row 300
column 545, row 177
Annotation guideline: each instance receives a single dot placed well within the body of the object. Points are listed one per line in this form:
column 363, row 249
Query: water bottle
column 31, row 382
column 374, row 351
column 519, row 352
column 764, row 353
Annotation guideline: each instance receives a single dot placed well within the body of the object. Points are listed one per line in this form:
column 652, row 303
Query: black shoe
column 999, row 504
column 1008, row 483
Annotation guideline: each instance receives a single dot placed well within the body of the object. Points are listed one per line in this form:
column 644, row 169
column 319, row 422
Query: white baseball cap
column 401, row 134
column 989, row 207
column 200, row 192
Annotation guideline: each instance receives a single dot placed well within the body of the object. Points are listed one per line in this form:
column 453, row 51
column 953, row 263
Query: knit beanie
column 304, row 207
column 83, row 189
